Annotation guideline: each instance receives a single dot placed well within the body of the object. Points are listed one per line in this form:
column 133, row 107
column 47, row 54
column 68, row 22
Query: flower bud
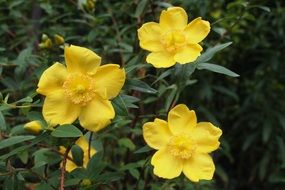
column 86, row 182
column 33, row 127
column 59, row 40
column 44, row 37
column 48, row 43
column 90, row 5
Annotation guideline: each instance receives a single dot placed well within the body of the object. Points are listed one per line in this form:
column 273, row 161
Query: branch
column 63, row 167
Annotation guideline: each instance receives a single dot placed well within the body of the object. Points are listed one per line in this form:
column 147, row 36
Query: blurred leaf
column 22, row 148
column 163, row 75
column 24, row 156
column 266, row 131
column 140, row 8
column 126, row 142
column 3, row 126
column 66, row 131
column 45, row 156
column 267, row 9
column 14, row 140
column 143, row 149
column 135, row 173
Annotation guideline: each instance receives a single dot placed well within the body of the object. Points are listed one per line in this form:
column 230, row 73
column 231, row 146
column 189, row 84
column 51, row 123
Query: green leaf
column 3, row 126
column 28, row 99
column 67, row 131
column 217, row 69
column 126, row 142
column 143, row 149
column 135, row 173
column 163, row 75
column 122, row 102
column 14, row 140
column 77, row 155
column 211, row 52
column 25, row 147
column 140, row 86
column 140, row 8
column 264, row 8
column 95, row 165
column 24, row 156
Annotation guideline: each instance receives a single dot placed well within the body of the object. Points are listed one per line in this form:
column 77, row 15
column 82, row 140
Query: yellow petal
column 81, row 60
column 166, row 165
column 199, row 166
column 156, row 134
column 52, row 79
column 181, row 120
column 149, row 35
column 174, row 18
column 58, row 109
column 207, row 137
column 197, row 30
column 109, row 80
column 188, row 53
column 84, row 145
column 160, row 59
column 70, row 166
column 97, row 114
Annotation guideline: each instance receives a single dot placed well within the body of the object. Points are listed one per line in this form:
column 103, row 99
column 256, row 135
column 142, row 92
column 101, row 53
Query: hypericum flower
column 182, row 144
column 33, row 127
column 81, row 89
column 172, row 39
column 84, row 145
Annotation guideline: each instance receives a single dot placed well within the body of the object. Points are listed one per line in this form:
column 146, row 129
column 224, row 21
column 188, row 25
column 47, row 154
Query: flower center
column 79, row 88
column 182, row 146
column 173, row 40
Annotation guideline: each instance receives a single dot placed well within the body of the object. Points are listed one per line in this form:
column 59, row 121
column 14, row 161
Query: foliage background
column 249, row 109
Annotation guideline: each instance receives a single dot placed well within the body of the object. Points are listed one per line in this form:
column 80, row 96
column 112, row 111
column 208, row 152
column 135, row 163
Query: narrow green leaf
column 217, row 69
column 126, row 142
column 163, row 75
column 211, row 52
column 143, row 149
column 3, row 126
column 25, row 147
column 66, row 131
column 264, row 8
column 14, row 140
column 140, row 8
column 135, row 173
column 140, row 86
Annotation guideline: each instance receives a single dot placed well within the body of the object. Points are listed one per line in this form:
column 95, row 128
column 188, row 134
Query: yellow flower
column 83, row 144
column 182, row 144
column 172, row 39
column 33, row 127
column 81, row 89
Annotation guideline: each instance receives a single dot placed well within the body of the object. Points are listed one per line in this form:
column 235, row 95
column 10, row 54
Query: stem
column 89, row 145
column 141, row 173
column 63, row 167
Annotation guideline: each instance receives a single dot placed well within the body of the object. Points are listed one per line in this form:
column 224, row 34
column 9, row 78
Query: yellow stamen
column 79, row 88
column 182, row 146
column 173, row 40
